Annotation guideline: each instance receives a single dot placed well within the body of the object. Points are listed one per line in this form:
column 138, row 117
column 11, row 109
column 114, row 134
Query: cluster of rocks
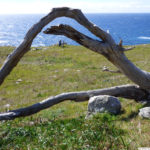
column 110, row 104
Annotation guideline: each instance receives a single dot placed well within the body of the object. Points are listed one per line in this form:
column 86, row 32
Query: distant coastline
column 132, row 28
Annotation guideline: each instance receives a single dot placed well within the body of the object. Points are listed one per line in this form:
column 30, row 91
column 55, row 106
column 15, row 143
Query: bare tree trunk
column 106, row 46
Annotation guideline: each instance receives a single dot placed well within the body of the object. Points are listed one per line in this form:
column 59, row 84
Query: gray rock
column 145, row 112
column 103, row 103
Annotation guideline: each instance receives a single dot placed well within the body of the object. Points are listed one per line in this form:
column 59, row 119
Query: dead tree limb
column 13, row 59
column 125, row 91
column 113, row 52
column 129, row 48
column 68, row 31
column 106, row 46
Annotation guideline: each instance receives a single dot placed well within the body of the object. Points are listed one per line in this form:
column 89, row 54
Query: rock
column 7, row 105
column 65, row 70
column 103, row 103
column 36, row 48
column 45, row 48
column 18, row 81
column 145, row 112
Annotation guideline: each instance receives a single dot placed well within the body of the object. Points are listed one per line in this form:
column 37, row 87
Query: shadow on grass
column 134, row 114
column 130, row 116
column 99, row 132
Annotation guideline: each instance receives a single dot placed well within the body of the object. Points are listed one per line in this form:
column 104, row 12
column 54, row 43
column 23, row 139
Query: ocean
column 133, row 29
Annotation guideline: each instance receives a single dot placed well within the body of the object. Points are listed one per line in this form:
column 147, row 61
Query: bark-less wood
column 113, row 52
column 125, row 91
column 105, row 46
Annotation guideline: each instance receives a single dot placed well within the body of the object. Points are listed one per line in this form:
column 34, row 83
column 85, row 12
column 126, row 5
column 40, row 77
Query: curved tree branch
column 114, row 53
column 107, row 47
column 125, row 91
column 68, row 31
column 13, row 59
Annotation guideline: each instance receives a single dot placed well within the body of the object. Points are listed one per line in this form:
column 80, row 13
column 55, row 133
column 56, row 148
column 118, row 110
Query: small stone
column 54, row 76
column 102, row 104
column 7, row 105
column 145, row 112
column 31, row 123
column 65, row 70
column 19, row 80
column 45, row 48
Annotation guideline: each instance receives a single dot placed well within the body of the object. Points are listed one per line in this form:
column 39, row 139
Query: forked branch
column 105, row 46
column 113, row 52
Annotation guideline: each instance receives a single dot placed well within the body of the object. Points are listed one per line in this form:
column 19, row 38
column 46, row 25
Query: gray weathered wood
column 13, row 59
column 113, row 52
column 105, row 46
column 125, row 91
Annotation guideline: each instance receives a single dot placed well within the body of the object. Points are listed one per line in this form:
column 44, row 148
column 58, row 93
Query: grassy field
column 48, row 71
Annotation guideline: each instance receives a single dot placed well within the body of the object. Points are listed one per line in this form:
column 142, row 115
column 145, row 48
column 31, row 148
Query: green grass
column 54, row 70
column 76, row 133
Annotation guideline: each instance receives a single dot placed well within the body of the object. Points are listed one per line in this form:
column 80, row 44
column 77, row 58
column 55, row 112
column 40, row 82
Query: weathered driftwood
column 106, row 46
column 125, row 91
column 113, row 52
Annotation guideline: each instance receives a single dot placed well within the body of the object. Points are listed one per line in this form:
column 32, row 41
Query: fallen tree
column 106, row 46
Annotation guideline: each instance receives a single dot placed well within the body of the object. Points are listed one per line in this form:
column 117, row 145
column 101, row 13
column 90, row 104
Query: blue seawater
column 131, row 28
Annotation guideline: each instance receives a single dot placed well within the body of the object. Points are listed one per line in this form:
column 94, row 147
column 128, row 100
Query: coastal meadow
column 51, row 70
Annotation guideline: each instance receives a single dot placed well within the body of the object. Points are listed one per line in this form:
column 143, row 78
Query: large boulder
column 103, row 103
column 145, row 112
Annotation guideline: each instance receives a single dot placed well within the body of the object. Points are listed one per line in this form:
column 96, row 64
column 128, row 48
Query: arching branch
column 114, row 53
column 107, row 47
column 13, row 59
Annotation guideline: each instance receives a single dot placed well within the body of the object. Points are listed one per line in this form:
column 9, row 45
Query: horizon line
column 83, row 13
